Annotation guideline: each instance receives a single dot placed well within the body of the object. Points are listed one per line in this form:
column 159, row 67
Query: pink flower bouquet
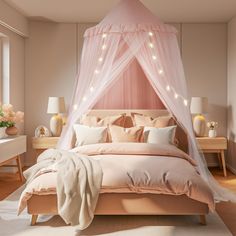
column 8, row 117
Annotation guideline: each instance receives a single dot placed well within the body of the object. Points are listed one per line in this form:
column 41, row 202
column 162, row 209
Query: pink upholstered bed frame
column 129, row 203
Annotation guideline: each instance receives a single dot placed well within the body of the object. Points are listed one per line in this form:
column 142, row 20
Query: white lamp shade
column 56, row 105
column 199, row 105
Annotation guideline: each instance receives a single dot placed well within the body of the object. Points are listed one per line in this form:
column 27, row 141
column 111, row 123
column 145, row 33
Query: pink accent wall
column 132, row 91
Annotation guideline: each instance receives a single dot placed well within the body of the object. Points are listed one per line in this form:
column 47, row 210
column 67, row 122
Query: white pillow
column 160, row 135
column 89, row 135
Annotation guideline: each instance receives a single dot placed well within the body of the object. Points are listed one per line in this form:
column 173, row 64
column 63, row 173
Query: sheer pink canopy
column 131, row 38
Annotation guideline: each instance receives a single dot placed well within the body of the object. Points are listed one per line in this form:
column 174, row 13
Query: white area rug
column 11, row 224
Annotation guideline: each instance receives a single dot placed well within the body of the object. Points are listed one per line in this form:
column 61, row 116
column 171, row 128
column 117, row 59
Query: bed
column 135, row 202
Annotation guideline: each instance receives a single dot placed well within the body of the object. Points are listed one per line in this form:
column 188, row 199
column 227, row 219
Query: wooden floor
column 227, row 211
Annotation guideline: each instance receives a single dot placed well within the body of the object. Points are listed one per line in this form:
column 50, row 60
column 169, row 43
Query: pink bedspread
column 135, row 168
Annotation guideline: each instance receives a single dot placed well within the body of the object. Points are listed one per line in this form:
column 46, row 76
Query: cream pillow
column 160, row 135
column 89, row 135
column 123, row 135
column 142, row 120
column 95, row 121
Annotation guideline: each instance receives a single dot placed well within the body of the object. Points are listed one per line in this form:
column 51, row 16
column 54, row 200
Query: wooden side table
column 10, row 149
column 214, row 145
column 41, row 144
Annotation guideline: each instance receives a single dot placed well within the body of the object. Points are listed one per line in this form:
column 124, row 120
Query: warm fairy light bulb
column 154, row 57
column 185, row 102
column 160, row 71
column 96, row 71
column 104, row 46
column 151, row 45
column 104, row 35
column 176, row 95
column 84, row 99
column 168, row 88
column 100, row 59
column 75, row 107
column 150, row 33
column 91, row 89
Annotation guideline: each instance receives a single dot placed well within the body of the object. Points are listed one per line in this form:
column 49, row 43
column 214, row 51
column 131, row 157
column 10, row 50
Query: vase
column 2, row 132
column 212, row 133
column 12, row 130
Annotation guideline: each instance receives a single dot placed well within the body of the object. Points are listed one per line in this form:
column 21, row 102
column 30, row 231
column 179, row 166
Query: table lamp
column 56, row 105
column 199, row 106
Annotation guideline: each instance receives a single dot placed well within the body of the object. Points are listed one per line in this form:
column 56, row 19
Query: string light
column 154, row 57
column 151, row 45
column 168, row 88
column 96, row 71
column 160, row 71
column 185, row 102
column 150, row 34
column 104, row 36
column 100, row 59
column 91, row 89
column 84, row 99
column 104, row 46
column 176, row 95
column 75, row 107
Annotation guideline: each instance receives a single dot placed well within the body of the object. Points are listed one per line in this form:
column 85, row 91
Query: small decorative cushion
column 89, row 135
column 160, row 135
column 123, row 135
column 94, row 121
column 142, row 120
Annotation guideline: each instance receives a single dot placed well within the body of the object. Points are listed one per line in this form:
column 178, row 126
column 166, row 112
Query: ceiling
column 69, row 11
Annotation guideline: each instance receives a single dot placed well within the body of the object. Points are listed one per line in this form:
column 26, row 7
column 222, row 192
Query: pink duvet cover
column 134, row 168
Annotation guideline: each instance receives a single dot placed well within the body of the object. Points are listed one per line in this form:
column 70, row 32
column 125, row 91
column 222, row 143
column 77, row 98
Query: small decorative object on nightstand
column 212, row 125
column 214, row 145
column 199, row 107
column 56, row 105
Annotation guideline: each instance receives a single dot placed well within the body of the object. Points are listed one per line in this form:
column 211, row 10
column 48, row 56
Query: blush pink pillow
column 94, row 121
column 142, row 120
column 123, row 135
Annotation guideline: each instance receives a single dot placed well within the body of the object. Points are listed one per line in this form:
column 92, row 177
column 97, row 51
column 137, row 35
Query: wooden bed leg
column 203, row 219
column 34, row 219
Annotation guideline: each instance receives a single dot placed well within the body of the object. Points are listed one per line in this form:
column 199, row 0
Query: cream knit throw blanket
column 79, row 181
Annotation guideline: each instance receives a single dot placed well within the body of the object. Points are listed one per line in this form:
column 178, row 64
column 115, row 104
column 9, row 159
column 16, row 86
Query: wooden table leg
column 202, row 219
column 19, row 168
column 219, row 159
column 223, row 162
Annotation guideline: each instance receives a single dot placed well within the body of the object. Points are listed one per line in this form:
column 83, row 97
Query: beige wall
column 231, row 160
column 204, row 53
column 51, row 62
column 52, row 54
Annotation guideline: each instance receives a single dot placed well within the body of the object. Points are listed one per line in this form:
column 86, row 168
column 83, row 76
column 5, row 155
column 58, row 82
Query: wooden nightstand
column 41, row 144
column 214, row 145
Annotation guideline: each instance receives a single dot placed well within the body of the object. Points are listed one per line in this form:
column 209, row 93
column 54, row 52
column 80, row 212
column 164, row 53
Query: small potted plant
column 212, row 125
column 8, row 119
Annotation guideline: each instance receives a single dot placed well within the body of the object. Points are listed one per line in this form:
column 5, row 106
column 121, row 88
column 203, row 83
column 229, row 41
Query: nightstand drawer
column 44, row 142
column 218, row 143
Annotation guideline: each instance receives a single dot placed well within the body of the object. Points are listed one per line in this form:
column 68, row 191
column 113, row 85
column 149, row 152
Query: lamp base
column 56, row 124
column 199, row 125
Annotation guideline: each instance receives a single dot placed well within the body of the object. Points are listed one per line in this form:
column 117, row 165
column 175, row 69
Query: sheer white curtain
column 106, row 56
column 160, row 59
column 131, row 90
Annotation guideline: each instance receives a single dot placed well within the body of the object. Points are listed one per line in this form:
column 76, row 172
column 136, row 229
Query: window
column 4, row 69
